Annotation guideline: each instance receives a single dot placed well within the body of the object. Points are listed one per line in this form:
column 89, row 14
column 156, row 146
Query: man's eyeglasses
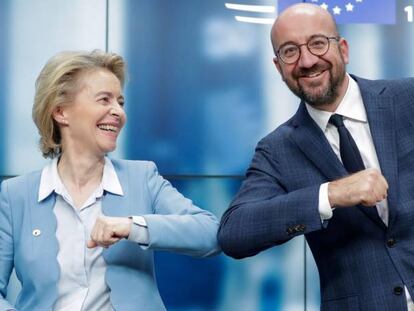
column 318, row 45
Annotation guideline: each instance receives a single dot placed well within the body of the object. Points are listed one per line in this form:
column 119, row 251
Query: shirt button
column 391, row 242
column 398, row 290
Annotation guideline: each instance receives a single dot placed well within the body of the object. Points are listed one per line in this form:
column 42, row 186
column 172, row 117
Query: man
column 346, row 182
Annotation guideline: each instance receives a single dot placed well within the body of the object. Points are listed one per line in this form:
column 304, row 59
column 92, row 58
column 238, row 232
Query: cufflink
column 36, row 232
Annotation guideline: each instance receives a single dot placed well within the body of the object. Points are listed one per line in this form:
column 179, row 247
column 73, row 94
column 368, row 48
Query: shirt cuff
column 139, row 231
column 325, row 210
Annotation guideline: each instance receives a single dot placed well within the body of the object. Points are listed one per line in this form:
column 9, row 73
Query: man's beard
column 327, row 96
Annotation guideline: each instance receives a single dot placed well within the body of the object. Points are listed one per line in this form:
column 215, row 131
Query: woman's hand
column 109, row 230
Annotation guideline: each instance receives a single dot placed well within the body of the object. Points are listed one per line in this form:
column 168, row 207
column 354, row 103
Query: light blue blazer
column 174, row 224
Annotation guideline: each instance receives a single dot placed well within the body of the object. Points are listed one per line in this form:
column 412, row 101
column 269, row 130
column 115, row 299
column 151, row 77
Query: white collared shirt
column 355, row 120
column 81, row 284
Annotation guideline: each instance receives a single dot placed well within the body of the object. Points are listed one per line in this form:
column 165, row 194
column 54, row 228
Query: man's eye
column 104, row 99
column 318, row 44
column 289, row 51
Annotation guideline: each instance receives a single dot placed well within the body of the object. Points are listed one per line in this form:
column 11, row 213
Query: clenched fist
column 109, row 230
column 367, row 187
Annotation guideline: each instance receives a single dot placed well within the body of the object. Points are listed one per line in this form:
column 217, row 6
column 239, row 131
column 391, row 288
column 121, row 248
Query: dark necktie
column 351, row 158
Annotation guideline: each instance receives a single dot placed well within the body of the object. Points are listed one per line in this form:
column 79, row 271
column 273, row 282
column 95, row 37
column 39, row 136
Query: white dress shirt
column 81, row 285
column 355, row 120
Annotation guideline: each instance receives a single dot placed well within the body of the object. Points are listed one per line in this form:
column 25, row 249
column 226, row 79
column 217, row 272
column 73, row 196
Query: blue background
column 365, row 11
column 202, row 90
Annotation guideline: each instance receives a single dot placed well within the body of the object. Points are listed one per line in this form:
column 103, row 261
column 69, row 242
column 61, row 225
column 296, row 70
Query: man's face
column 318, row 80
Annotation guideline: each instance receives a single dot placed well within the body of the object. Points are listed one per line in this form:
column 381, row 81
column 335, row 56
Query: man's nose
column 306, row 58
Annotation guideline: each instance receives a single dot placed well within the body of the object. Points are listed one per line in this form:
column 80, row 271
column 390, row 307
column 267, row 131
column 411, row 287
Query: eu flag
column 353, row 11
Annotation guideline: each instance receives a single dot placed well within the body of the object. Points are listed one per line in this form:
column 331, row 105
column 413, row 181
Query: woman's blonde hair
column 57, row 84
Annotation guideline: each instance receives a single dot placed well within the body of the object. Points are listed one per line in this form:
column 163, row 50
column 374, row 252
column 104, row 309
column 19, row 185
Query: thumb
column 91, row 244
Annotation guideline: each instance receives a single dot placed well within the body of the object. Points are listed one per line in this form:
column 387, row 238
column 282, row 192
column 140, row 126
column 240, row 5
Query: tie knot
column 337, row 120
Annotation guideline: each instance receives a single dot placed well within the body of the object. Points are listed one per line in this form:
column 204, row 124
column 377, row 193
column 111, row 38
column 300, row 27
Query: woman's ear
column 58, row 115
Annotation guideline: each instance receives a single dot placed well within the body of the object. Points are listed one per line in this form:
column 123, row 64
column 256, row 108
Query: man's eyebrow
column 312, row 36
column 286, row 43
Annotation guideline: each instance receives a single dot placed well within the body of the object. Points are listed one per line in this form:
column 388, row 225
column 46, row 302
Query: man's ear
column 279, row 69
column 276, row 62
column 59, row 115
column 344, row 49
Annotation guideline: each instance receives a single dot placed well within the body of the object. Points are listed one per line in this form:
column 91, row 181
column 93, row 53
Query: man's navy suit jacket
column 363, row 265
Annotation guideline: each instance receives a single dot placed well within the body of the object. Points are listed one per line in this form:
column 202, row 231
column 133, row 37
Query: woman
column 81, row 232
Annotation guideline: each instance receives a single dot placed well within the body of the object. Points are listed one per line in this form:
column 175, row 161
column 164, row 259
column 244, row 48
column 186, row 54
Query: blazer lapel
column 43, row 220
column 312, row 142
column 380, row 113
column 42, row 231
column 117, row 205
column 114, row 205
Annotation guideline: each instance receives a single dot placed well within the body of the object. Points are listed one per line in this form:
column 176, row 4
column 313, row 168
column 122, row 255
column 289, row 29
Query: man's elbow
column 231, row 245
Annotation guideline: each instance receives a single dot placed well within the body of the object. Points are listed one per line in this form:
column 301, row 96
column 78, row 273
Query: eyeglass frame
column 307, row 42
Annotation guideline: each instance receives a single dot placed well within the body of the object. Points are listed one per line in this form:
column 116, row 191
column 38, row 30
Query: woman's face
column 93, row 121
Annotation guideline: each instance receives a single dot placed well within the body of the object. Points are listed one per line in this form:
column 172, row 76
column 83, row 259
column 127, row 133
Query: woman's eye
column 104, row 99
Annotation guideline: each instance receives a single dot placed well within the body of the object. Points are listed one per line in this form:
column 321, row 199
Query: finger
column 96, row 230
column 379, row 194
column 384, row 181
column 98, row 236
column 112, row 241
column 370, row 196
column 100, row 243
column 107, row 232
column 107, row 243
column 376, row 195
column 91, row 244
column 383, row 189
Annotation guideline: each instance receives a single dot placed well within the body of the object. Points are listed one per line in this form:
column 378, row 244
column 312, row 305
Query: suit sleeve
column 6, row 247
column 177, row 224
column 264, row 213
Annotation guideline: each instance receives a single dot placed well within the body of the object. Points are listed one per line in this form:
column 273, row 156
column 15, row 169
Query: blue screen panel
column 271, row 281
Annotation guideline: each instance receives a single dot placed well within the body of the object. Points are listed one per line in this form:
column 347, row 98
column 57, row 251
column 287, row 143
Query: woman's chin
column 111, row 148
column 103, row 150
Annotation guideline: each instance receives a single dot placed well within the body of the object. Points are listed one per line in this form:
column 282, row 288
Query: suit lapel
column 380, row 113
column 42, row 231
column 312, row 142
column 117, row 205
column 43, row 218
column 114, row 205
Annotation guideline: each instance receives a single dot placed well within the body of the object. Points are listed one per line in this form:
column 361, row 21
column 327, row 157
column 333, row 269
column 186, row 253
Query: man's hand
column 367, row 187
column 109, row 230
